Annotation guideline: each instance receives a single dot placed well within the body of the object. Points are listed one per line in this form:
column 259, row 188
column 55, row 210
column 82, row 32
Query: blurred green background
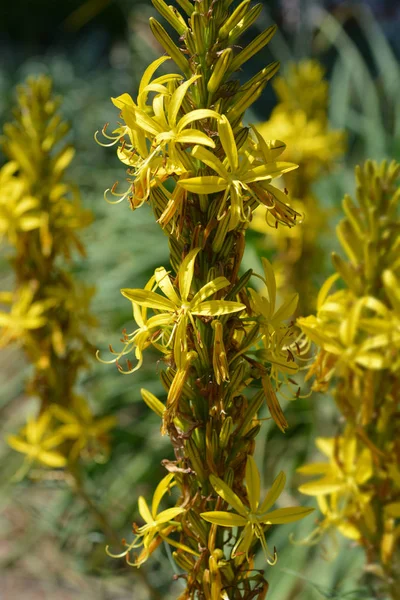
column 50, row 546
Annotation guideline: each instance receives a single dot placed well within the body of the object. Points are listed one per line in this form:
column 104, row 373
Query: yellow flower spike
column 254, row 518
column 204, row 175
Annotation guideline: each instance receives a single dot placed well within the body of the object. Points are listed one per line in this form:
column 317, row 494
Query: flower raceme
column 225, row 346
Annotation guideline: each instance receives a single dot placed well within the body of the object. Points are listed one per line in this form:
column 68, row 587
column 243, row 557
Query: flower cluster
column 357, row 331
column 301, row 119
column 48, row 311
column 225, row 343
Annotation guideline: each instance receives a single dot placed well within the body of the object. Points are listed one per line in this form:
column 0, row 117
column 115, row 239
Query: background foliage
column 93, row 50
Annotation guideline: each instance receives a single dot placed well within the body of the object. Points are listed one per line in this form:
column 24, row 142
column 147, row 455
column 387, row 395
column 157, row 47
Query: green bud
column 255, row 46
column 347, row 273
column 186, row 6
column 171, row 49
column 195, row 459
column 183, row 561
column 220, row 235
column 152, row 402
column 198, row 31
column 234, row 19
column 252, row 409
column 171, row 15
column 229, row 477
column 225, row 432
column 220, row 69
column 199, row 526
column 247, row 21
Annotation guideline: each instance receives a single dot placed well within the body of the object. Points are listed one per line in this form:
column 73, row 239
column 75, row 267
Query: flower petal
column 205, row 184
column 149, row 299
column 225, row 519
column 252, row 483
column 212, row 308
column 228, row 495
column 286, row 515
column 185, row 274
column 274, row 493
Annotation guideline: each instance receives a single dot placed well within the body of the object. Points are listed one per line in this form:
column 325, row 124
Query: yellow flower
column 346, row 471
column 37, row 441
column 149, row 330
column 89, row 435
column 256, row 516
column 178, row 304
column 234, row 176
column 25, row 314
column 18, row 210
column 158, row 525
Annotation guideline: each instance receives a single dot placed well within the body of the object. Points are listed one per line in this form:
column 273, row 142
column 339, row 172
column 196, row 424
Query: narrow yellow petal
column 274, row 493
column 225, row 519
column 186, row 271
column 212, row 308
column 206, row 184
column 149, row 299
column 286, row 515
column 228, row 495
column 252, row 483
